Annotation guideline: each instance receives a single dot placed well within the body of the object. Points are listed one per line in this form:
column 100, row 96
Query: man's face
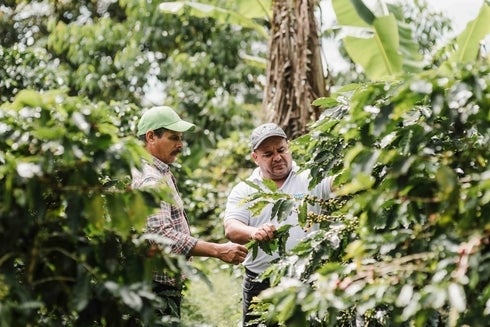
column 166, row 147
column 273, row 158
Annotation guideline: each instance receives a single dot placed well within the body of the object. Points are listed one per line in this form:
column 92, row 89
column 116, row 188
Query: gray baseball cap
column 263, row 132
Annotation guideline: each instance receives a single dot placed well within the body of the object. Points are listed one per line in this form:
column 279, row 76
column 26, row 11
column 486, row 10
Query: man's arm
column 227, row 252
column 238, row 232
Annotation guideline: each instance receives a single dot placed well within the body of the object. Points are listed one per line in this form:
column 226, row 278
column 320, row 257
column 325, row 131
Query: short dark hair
column 159, row 132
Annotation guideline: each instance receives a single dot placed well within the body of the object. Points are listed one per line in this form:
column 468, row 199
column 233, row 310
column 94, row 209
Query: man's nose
column 276, row 156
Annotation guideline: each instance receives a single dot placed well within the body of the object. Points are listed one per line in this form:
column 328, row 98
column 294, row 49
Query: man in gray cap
column 270, row 152
column 161, row 130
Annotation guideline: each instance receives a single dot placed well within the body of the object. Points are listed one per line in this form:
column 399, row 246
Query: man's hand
column 232, row 253
column 264, row 233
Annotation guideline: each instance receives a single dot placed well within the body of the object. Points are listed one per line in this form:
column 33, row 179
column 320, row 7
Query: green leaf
column 49, row 133
column 409, row 49
column 382, row 45
column 270, row 184
column 252, row 185
column 95, row 212
column 302, row 213
column 326, row 102
column 254, row 8
column 363, row 11
column 268, row 247
column 29, row 98
column 468, row 42
column 347, row 14
column 377, row 54
column 254, row 246
column 286, row 307
column 448, row 183
column 281, row 209
column 281, row 237
column 355, row 249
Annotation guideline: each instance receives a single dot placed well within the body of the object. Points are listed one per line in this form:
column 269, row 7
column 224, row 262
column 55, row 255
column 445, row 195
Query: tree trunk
column 295, row 72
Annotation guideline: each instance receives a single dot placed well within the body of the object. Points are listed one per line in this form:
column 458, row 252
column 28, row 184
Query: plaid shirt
column 169, row 220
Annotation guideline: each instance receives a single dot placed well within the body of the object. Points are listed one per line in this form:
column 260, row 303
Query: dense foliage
column 133, row 51
column 406, row 238
column 72, row 245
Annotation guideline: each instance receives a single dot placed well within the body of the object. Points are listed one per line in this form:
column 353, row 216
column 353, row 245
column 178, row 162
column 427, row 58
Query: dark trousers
column 171, row 297
column 252, row 288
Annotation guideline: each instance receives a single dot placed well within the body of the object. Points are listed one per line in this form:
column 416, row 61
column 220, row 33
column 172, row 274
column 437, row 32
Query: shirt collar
column 160, row 165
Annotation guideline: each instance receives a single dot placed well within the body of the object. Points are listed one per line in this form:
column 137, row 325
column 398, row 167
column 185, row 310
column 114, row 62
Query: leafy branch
column 278, row 243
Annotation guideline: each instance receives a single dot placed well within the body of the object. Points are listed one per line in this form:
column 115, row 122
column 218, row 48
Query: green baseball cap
column 162, row 116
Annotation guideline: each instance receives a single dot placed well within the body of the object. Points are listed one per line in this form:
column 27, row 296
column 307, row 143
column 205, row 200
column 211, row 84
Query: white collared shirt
column 295, row 185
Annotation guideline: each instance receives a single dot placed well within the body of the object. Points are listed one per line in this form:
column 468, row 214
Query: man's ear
column 253, row 155
column 150, row 136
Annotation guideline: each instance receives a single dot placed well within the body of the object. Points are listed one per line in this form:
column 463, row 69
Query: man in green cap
column 161, row 128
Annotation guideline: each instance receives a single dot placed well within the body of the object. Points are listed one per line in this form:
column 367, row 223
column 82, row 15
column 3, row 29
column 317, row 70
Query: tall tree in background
column 294, row 70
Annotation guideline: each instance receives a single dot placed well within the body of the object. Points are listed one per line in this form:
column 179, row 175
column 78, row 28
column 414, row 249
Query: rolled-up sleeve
column 235, row 206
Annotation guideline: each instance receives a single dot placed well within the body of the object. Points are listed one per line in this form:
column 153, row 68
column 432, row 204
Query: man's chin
column 170, row 160
column 281, row 173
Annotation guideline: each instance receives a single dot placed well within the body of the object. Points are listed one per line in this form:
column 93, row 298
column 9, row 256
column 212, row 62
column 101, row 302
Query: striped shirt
column 169, row 220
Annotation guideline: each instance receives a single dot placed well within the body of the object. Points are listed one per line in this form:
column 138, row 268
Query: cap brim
column 181, row 126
